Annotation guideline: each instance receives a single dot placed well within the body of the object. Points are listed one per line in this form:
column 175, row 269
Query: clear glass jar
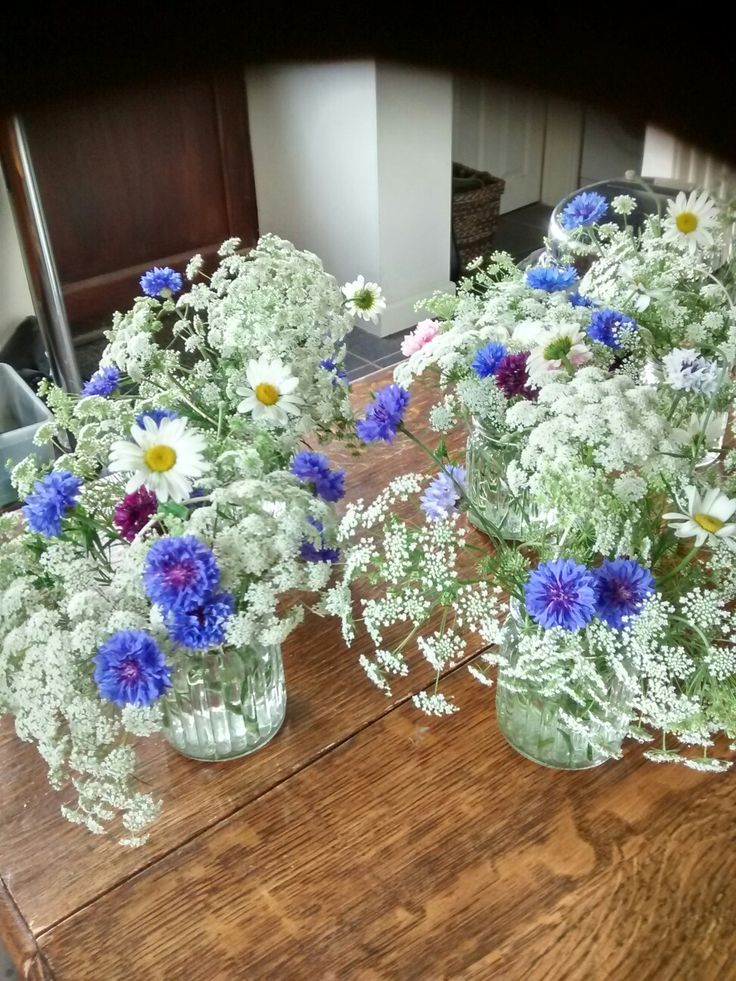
column 226, row 703
column 486, row 462
column 539, row 727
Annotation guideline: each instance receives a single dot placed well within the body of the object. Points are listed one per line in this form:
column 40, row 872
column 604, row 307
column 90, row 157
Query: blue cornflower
column 103, row 382
column 561, row 593
column 551, row 279
column 156, row 414
column 487, row 359
column 314, row 469
column 439, row 501
column 52, row 497
column 623, row 585
column 606, row 325
column 130, row 669
column 586, row 208
column 180, row 573
column 329, row 365
column 578, row 300
column 203, row 625
column 311, row 552
column 161, row 281
column 384, row 416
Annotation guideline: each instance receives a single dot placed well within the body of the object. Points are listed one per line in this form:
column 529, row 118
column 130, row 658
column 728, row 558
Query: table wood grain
column 329, row 699
column 368, row 841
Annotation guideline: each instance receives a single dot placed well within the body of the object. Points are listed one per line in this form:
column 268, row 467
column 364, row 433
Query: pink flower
column 424, row 332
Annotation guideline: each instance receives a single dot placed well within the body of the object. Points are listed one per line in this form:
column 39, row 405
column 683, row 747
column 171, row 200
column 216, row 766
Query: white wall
column 414, row 122
column 353, row 161
column 15, row 298
column 500, row 128
column 313, row 139
column 667, row 157
column 610, row 147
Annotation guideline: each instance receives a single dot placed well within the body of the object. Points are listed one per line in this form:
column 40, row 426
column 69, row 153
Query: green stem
column 678, row 568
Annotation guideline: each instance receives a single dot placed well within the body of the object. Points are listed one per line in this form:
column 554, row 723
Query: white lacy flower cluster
column 598, row 408
column 496, row 304
column 54, row 612
column 591, row 450
column 190, row 429
column 59, row 606
column 587, row 674
column 684, row 676
column 421, row 599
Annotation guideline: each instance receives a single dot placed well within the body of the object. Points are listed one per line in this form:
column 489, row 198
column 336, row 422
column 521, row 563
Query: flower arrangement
column 184, row 513
column 609, row 610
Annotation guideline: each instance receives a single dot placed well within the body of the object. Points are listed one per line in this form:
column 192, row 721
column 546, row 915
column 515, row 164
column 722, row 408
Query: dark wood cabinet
column 141, row 176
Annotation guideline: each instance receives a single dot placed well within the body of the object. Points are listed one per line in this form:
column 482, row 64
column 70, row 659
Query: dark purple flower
column 314, row 469
column 53, row 496
column 161, row 281
column 204, row 625
column 103, row 382
column 384, row 416
column 623, row 585
column 134, row 512
column 130, row 669
column 561, row 593
column 180, row 573
column 512, row 377
column 487, row 359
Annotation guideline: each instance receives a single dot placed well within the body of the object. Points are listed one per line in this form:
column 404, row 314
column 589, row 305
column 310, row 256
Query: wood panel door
column 500, row 129
column 141, row 176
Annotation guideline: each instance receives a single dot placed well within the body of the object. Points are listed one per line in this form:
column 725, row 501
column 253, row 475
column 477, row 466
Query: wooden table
column 369, row 841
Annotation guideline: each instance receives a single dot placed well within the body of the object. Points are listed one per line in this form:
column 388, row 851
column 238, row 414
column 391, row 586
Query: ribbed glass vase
column 539, row 727
column 486, row 462
column 225, row 703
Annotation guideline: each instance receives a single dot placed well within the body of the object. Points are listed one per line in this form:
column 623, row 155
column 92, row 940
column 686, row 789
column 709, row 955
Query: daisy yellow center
column 267, row 394
column 686, row 222
column 708, row 522
column 160, row 458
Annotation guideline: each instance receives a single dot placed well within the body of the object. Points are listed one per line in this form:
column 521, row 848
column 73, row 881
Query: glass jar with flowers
column 163, row 559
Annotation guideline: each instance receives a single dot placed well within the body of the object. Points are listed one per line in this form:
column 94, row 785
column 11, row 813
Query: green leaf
column 172, row 508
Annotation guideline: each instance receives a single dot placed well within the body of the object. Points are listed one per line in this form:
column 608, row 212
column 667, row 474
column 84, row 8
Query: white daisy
column 163, row 455
column 708, row 429
column 363, row 299
column 691, row 220
column 561, row 349
column 270, row 393
column 707, row 517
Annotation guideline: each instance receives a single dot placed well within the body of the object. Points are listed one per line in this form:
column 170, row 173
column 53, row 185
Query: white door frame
column 563, row 147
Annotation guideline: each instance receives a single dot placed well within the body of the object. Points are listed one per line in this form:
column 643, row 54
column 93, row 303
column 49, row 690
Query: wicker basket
column 476, row 199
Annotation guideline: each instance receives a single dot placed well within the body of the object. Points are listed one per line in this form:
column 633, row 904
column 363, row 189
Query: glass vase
column 558, row 732
column 226, row 703
column 486, row 463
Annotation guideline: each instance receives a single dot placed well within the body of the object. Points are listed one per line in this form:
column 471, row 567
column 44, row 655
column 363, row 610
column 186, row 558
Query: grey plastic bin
column 21, row 413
